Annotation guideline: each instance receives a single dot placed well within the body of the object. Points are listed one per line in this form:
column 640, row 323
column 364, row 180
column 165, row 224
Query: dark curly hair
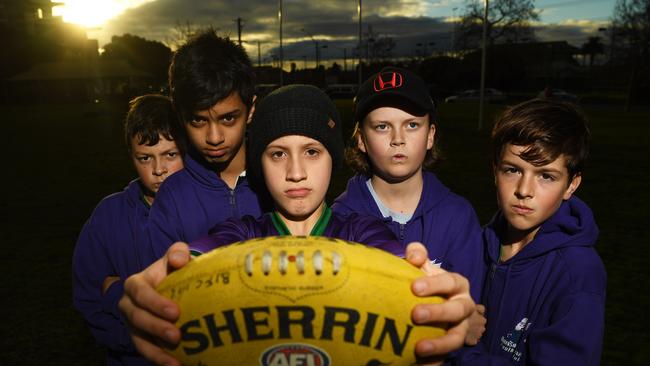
column 207, row 69
column 149, row 117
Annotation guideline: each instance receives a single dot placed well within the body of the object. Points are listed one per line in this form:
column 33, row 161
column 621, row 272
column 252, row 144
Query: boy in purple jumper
column 212, row 86
column 294, row 143
column 109, row 248
column 545, row 290
column 393, row 151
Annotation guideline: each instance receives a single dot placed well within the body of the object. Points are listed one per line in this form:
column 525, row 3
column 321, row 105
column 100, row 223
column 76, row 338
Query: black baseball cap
column 393, row 87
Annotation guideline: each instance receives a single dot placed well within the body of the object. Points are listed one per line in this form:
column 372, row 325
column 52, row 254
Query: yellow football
column 297, row 301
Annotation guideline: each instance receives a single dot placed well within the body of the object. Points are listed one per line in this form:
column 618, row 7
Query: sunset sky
column 332, row 23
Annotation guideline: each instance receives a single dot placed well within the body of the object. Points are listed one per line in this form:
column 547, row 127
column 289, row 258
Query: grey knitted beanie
column 301, row 110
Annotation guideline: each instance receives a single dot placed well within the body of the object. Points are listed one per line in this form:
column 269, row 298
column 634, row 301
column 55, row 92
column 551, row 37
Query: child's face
column 297, row 171
column 396, row 142
column 217, row 133
column 528, row 195
column 155, row 163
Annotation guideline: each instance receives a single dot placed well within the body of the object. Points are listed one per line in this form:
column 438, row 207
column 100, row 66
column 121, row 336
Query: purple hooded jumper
column 191, row 201
column 443, row 221
column 545, row 305
column 111, row 243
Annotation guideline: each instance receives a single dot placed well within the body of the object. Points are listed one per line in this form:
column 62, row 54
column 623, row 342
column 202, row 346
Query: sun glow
column 94, row 13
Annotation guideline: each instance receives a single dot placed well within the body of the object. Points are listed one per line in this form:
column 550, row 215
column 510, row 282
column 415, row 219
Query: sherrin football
column 297, row 301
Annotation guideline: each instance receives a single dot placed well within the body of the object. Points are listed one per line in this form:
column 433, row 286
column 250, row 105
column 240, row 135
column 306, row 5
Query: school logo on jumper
column 510, row 341
column 295, row 354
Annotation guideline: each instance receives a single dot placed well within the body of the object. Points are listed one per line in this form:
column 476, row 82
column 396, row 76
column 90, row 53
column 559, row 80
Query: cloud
column 333, row 23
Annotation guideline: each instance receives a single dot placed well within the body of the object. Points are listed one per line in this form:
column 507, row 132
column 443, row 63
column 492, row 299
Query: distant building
column 80, row 80
column 70, row 70
column 26, row 15
column 35, row 18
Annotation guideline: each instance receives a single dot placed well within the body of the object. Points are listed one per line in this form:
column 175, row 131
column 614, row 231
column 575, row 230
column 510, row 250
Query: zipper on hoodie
column 493, row 270
column 233, row 201
column 233, row 196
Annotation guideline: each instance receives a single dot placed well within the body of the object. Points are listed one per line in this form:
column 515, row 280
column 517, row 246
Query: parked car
column 341, row 91
column 557, row 94
column 474, row 95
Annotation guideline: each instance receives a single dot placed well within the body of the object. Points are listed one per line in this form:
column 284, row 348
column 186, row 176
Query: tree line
column 508, row 22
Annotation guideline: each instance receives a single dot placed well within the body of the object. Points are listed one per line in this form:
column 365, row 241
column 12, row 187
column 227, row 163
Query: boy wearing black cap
column 294, row 143
column 393, row 151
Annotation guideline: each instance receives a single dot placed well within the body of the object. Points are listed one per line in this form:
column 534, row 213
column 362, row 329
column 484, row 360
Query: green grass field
column 64, row 158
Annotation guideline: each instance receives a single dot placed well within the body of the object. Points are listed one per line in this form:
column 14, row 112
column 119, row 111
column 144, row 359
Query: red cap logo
column 388, row 80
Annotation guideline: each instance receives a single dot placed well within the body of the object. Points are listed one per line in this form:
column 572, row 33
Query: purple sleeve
column 478, row 355
column 467, row 251
column 573, row 337
column 370, row 231
column 164, row 225
column 91, row 265
column 224, row 233
column 575, row 334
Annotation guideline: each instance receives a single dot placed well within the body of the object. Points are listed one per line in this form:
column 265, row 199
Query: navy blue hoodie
column 193, row 200
column 443, row 221
column 111, row 243
column 545, row 305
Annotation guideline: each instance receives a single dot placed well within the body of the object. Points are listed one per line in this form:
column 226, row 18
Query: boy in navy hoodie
column 211, row 82
column 545, row 289
column 110, row 246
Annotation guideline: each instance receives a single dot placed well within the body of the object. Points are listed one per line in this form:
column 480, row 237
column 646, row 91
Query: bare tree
column 508, row 21
column 631, row 27
column 631, row 32
column 180, row 34
column 375, row 47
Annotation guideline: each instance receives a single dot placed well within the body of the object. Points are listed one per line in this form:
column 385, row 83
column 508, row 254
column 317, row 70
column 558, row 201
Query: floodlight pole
column 239, row 27
column 483, row 53
column 316, row 48
column 453, row 33
column 359, row 71
column 281, row 53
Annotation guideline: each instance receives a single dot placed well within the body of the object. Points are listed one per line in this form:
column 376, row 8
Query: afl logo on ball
column 296, row 354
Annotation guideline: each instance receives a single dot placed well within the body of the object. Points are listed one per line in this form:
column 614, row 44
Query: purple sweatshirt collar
column 572, row 224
